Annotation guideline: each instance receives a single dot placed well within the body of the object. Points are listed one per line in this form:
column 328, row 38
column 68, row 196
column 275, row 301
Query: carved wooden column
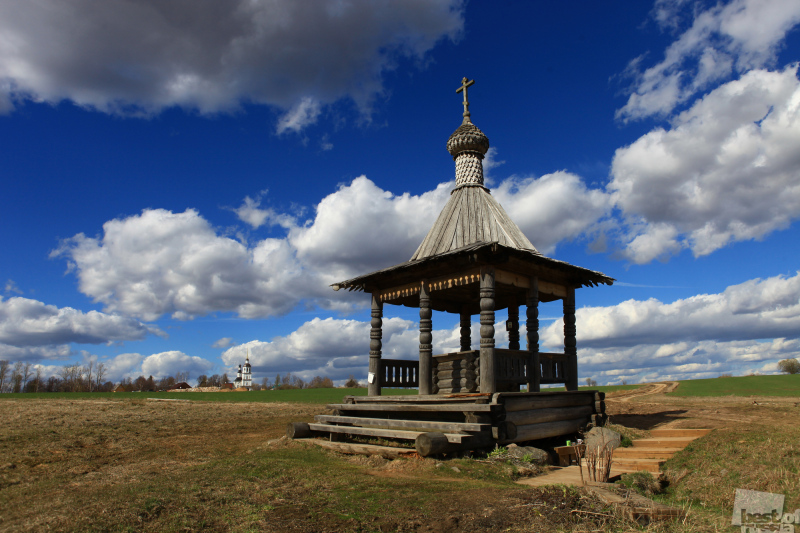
column 425, row 339
column 466, row 331
column 375, row 334
column 532, row 325
column 512, row 326
column 570, row 346
column 487, row 331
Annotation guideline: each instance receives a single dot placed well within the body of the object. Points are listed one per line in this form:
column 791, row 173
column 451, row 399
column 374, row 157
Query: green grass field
column 321, row 396
column 784, row 385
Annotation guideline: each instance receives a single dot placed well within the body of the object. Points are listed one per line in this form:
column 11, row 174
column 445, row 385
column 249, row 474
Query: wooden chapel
column 475, row 261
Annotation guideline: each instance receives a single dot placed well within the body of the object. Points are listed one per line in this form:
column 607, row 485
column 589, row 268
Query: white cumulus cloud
column 162, row 262
column 552, row 208
column 734, row 331
column 726, row 39
column 337, row 348
column 160, row 365
column 727, row 170
column 31, row 323
column 755, row 309
column 361, row 227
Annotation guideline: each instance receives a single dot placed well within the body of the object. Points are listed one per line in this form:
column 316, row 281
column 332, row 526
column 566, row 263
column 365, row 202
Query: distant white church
column 244, row 378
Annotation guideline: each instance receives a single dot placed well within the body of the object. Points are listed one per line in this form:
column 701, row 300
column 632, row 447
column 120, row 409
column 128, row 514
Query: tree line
column 285, row 382
column 143, row 384
column 26, row 377
column 89, row 377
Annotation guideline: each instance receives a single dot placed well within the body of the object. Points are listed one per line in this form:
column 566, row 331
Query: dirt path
column 651, row 388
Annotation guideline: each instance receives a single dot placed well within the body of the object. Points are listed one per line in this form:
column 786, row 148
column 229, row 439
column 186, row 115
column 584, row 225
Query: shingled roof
column 471, row 216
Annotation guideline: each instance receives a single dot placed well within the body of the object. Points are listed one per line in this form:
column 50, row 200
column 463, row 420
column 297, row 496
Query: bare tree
column 16, row 377
column 265, row 383
column 4, row 366
column 37, row 378
column 100, row 372
column 88, row 371
column 70, row 376
column 26, row 374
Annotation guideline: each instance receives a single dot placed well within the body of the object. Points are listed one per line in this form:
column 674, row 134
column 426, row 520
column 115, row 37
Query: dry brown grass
column 89, row 465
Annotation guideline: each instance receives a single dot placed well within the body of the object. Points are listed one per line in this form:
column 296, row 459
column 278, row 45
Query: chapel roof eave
column 474, row 255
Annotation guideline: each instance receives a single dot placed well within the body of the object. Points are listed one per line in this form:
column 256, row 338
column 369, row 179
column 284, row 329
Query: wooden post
column 375, row 334
column 532, row 325
column 466, row 331
column 487, row 374
column 570, row 345
column 512, row 326
column 425, row 339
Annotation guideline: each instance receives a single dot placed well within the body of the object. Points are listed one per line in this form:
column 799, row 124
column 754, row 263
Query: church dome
column 467, row 138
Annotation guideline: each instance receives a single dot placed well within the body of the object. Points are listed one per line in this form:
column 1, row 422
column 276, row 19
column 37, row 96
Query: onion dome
column 467, row 138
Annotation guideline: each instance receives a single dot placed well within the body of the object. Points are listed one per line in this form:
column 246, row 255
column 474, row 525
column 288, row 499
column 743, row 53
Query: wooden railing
column 399, row 373
column 512, row 366
column 553, row 367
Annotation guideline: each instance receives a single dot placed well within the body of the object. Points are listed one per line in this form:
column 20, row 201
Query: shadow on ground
column 650, row 420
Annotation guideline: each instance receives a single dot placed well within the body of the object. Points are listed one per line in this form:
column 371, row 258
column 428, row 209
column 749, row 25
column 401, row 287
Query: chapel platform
column 443, row 424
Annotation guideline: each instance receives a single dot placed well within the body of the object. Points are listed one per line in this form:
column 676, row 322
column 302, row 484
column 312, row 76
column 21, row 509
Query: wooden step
column 410, row 408
column 679, row 432
column 387, row 452
column 453, row 438
column 637, row 465
column 663, row 442
column 404, row 424
column 645, row 453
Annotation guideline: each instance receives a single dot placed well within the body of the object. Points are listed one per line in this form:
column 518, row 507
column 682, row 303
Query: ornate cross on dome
column 464, row 84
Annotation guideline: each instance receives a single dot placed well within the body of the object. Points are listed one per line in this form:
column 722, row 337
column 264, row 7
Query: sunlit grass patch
column 784, row 385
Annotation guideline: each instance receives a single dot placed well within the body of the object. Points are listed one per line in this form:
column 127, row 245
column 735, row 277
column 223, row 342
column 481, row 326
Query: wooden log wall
column 456, row 373
column 538, row 416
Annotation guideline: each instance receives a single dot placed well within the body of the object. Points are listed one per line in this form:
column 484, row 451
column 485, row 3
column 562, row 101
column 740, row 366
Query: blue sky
column 182, row 182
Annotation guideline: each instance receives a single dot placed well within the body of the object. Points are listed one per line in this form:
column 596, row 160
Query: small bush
column 789, row 366
column 498, row 452
column 641, row 482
